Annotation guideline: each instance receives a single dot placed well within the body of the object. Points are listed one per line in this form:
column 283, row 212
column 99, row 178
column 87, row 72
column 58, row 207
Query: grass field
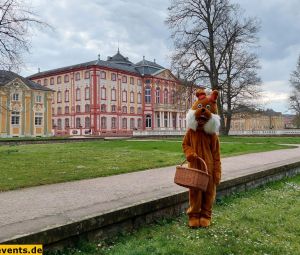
column 264, row 221
column 37, row 164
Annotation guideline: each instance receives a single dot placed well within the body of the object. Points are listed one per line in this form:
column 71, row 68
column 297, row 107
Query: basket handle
column 202, row 161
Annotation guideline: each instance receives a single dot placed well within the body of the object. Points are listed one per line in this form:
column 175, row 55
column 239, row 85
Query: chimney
column 98, row 56
column 39, row 70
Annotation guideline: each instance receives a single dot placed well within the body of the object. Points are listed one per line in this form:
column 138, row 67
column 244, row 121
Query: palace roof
column 8, row 76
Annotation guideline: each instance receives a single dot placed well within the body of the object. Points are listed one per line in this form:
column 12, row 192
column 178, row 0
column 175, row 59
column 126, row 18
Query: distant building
column 289, row 121
column 257, row 121
column 25, row 107
column 114, row 97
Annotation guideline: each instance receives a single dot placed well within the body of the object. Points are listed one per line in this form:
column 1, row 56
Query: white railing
column 266, row 132
column 159, row 133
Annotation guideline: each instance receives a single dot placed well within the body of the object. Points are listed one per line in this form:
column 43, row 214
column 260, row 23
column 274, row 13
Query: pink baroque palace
column 114, row 98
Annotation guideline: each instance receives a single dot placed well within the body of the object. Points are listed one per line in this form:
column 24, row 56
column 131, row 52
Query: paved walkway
column 33, row 209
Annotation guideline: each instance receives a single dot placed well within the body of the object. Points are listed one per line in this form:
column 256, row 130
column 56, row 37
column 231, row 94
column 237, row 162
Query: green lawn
column 262, row 221
column 36, row 164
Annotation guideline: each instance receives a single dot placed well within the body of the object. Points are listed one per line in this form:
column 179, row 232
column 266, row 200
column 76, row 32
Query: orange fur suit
column 201, row 140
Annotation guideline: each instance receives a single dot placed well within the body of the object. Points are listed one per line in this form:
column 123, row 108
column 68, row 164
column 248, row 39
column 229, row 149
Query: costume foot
column 204, row 222
column 194, row 222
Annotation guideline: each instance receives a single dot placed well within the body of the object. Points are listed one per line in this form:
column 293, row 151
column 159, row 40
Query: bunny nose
column 203, row 110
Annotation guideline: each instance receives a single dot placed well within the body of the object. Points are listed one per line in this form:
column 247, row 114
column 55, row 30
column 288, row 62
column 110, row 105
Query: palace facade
column 114, row 97
column 25, row 107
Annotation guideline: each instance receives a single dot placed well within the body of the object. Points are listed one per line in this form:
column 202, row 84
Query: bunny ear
column 214, row 95
column 200, row 93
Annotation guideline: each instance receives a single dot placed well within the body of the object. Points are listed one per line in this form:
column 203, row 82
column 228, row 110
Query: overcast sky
column 83, row 29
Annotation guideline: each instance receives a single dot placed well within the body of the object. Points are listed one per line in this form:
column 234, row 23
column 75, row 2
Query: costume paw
column 204, row 222
column 194, row 222
column 191, row 157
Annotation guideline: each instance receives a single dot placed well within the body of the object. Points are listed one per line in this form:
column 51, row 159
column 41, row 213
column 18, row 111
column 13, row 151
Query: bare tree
column 15, row 22
column 294, row 98
column 208, row 38
column 238, row 79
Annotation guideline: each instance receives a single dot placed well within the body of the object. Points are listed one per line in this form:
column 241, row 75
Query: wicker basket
column 192, row 177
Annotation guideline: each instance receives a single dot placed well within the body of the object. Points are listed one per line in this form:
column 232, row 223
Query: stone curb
column 125, row 219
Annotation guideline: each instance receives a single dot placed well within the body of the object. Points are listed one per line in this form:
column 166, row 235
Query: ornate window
column 103, row 93
column 131, row 97
column 166, row 94
column 131, row 80
column 158, row 119
column 113, row 108
column 87, row 122
column 147, row 94
column 87, row 93
column 78, row 123
column 51, row 81
column 38, row 119
column 131, row 123
column 139, row 123
column 58, row 79
column 87, row 108
column 103, row 122
column 113, row 94
column 173, row 97
column 67, row 96
column 103, row 75
column 103, row 108
column 113, row 76
column 67, row 123
column 124, row 123
column 139, row 98
column 77, row 108
column 78, row 94
column 15, row 118
column 59, row 111
column 131, row 109
column 67, row 109
column 113, row 122
column 124, row 96
column 77, row 76
column 66, row 78
column 59, row 124
column 86, row 74
column 148, row 121
column 124, row 79
column 58, row 96
column 45, row 82
column 157, row 98
column 15, row 97
column 124, row 109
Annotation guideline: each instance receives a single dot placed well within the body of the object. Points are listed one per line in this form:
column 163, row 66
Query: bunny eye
column 208, row 107
column 199, row 105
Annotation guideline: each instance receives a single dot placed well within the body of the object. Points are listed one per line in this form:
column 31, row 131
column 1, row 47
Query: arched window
column 166, row 94
column 87, row 108
column 113, row 122
column 103, row 93
column 87, row 93
column 67, row 109
column 77, row 76
column 157, row 98
column 124, row 123
column 148, row 121
column 113, row 94
column 58, row 96
column 67, row 123
column 131, row 109
column 66, row 78
column 78, row 123
column 173, row 97
column 147, row 94
column 59, row 124
column 124, row 109
column 139, row 98
column 78, row 94
column 131, row 123
column 87, row 122
column 86, row 74
column 58, row 80
column 139, row 123
column 103, row 122
column 124, row 96
column 131, row 97
column 67, row 96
